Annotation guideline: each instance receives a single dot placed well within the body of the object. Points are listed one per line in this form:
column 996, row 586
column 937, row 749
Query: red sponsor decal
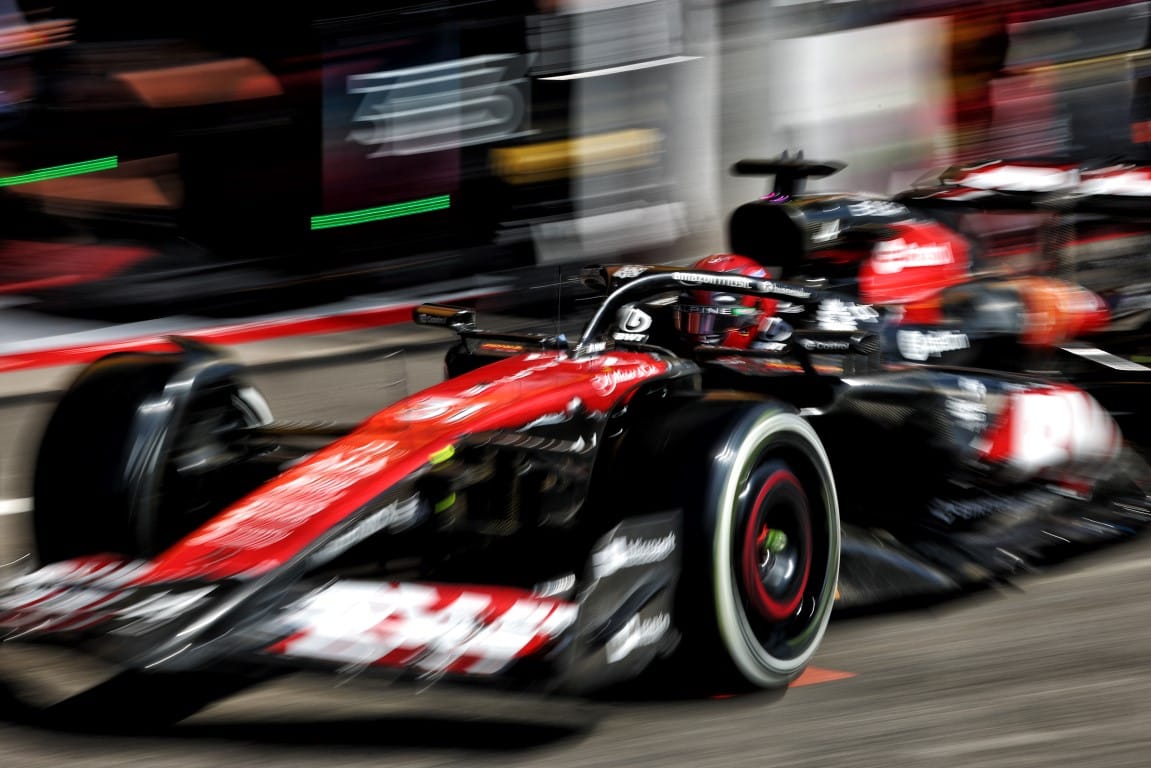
column 918, row 261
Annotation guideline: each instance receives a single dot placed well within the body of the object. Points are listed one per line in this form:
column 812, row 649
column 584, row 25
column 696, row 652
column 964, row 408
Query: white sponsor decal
column 824, row 345
column 421, row 626
column 892, row 256
column 396, row 516
column 719, row 279
column 623, row 553
column 628, row 271
column 919, row 345
column 951, row 512
column 636, row 634
column 274, row 514
column 543, row 361
column 785, row 290
column 973, row 387
column 449, row 409
column 43, row 608
column 605, row 383
column 634, row 320
column 87, row 571
column 971, row 415
column 885, row 208
column 839, row 315
column 712, row 309
column 1054, row 427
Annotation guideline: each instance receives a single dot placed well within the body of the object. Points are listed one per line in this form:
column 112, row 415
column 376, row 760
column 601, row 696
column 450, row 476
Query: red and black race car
column 558, row 514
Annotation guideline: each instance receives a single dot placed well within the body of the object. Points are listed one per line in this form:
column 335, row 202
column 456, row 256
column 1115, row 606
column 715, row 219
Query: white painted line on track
column 15, row 506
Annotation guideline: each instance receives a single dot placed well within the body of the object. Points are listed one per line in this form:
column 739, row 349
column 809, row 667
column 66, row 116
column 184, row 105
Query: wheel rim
column 203, row 446
column 775, row 557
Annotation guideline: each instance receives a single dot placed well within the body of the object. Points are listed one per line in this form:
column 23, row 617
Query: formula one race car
column 557, row 514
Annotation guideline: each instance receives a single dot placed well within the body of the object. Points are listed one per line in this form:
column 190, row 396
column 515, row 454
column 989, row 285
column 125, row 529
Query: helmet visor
column 712, row 320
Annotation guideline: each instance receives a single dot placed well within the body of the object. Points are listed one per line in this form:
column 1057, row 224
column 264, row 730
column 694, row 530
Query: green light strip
column 58, row 171
column 422, row 205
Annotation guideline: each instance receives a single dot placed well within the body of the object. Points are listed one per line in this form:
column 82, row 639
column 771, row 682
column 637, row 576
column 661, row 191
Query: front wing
column 574, row 634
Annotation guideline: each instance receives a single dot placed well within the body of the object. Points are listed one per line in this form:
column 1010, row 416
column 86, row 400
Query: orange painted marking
column 816, row 675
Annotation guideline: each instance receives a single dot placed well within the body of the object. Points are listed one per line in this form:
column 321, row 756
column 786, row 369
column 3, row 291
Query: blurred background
column 230, row 158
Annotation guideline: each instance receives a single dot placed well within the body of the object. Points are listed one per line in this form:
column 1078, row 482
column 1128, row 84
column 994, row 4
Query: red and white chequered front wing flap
column 430, row 628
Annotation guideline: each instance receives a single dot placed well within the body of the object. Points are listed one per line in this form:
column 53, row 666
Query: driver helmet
column 715, row 318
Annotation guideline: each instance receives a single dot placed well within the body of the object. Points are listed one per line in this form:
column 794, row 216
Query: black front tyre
column 138, row 451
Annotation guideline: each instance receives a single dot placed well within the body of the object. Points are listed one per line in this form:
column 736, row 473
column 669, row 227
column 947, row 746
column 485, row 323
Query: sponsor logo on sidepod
column 605, row 383
column 626, row 553
column 893, row 256
column 636, row 634
column 917, row 345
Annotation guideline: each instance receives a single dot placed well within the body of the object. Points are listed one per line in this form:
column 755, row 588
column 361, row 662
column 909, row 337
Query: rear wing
column 1117, row 189
column 1002, row 185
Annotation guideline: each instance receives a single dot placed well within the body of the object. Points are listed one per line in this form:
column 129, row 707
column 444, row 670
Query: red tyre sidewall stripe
column 772, row 608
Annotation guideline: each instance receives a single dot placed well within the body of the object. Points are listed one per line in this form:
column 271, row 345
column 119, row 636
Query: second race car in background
column 1087, row 223
column 1024, row 265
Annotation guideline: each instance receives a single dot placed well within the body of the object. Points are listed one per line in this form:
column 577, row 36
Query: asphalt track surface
column 1051, row 670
